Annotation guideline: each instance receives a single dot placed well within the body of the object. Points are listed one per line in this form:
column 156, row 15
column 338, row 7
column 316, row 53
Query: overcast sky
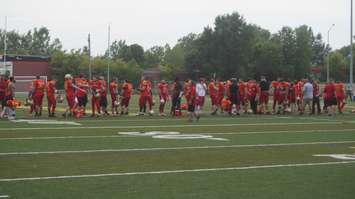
column 157, row 22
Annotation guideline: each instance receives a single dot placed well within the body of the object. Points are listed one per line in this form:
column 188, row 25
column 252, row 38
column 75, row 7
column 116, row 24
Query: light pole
column 351, row 45
column 328, row 57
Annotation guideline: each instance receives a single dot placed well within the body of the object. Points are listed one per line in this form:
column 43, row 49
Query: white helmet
column 67, row 76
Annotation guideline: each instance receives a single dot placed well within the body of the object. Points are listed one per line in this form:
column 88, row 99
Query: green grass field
column 219, row 157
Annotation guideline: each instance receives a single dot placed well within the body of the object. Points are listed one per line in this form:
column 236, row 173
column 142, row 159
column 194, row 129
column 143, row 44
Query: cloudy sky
column 157, row 22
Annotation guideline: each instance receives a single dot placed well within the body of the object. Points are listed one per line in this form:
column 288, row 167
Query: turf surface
column 131, row 166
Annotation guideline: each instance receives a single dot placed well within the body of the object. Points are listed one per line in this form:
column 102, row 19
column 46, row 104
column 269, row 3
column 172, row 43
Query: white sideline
column 172, row 126
column 176, row 148
column 4, row 196
column 177, row 171
column 123, row 136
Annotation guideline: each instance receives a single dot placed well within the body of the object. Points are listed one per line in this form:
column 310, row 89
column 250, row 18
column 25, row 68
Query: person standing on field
column 163, row 91
column 176, row 97
column 201, row 89
column 307, row 96
column 316, row 98
column 51, row 99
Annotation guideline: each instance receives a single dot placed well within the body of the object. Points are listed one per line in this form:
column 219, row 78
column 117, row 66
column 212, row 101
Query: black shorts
column 103, row 102
column 83, row 100
column 330, row 102
column 191, row 108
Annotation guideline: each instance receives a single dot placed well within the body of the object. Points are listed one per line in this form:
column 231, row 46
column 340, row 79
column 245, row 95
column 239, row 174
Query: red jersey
column 252, row 89
column 275, row 85
column 102, row 85
column 192, row 94
column 39, row 87
column 50, row 89
column 242, row 88
column 298, row 89
column 113, row 88
column 339, row 89
column 329, row 91
column 221, row 88
column 163, row 89
column 127, row 89
column 82, row 85
column 316, row 91
column 145, row 88
column 212, row 89
column 69, row 88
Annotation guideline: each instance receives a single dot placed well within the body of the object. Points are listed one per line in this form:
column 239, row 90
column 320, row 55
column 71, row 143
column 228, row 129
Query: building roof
column 25, row 58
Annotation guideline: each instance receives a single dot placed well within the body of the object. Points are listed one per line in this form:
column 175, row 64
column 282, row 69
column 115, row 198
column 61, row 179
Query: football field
column 151, row 157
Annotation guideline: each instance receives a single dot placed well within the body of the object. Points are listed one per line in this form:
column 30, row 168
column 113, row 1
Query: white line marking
column 178, row 171
column 175, row 148
column 4, row 196
column 55, row 122
column 130, row 136
column 174, row 126
column 337, row 156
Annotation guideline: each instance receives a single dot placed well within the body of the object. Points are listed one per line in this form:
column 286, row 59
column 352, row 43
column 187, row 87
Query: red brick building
column 25, row 68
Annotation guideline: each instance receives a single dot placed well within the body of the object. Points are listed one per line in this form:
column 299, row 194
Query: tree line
column 232, row 47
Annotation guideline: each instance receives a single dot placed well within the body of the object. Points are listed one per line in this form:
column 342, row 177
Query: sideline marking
column 4, row 196
column 45, row 122
column 173, row 126
column 178, row 171
column 121, row 136
column 176, row 148
column 172, row 135
column 337, row 156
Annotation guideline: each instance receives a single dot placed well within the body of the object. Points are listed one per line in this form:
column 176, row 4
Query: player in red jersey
column 2, row 90
column 145, row 96
column 51, row 99
column 340, row 96
column 316, row 98
column 276, row 93
column 127, row 88
column 252, row 89
column 330, row 98
column 191, row 93
column 242, row 96
column 103, row 95
column 163, row 91
column 9, row 110
column 95, row 97
column 39, row 86
column 213, row 91
column 81, row 91
column 115, row 98
column 283, row 101
column 291, row 97
column 220, row 93
column 70, row 94
column 299, row 94
column 264, row 87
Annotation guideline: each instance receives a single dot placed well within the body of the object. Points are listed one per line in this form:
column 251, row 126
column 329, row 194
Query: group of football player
column 233, row 96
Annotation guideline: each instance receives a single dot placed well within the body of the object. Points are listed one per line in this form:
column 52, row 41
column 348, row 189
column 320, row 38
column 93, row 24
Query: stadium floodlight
column 328, row 57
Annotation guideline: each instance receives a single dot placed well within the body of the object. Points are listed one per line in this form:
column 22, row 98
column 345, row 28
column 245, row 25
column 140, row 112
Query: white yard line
column 178, row 171
column 123, row 136
column 171, row 126
column 175, row 148
column 4, row 196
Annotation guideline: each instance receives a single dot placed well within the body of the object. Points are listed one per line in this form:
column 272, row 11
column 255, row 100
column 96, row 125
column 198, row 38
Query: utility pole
column 89, row 46
column 109, row 53
column 5, row 45
column 328, row 57
column 351, row 46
